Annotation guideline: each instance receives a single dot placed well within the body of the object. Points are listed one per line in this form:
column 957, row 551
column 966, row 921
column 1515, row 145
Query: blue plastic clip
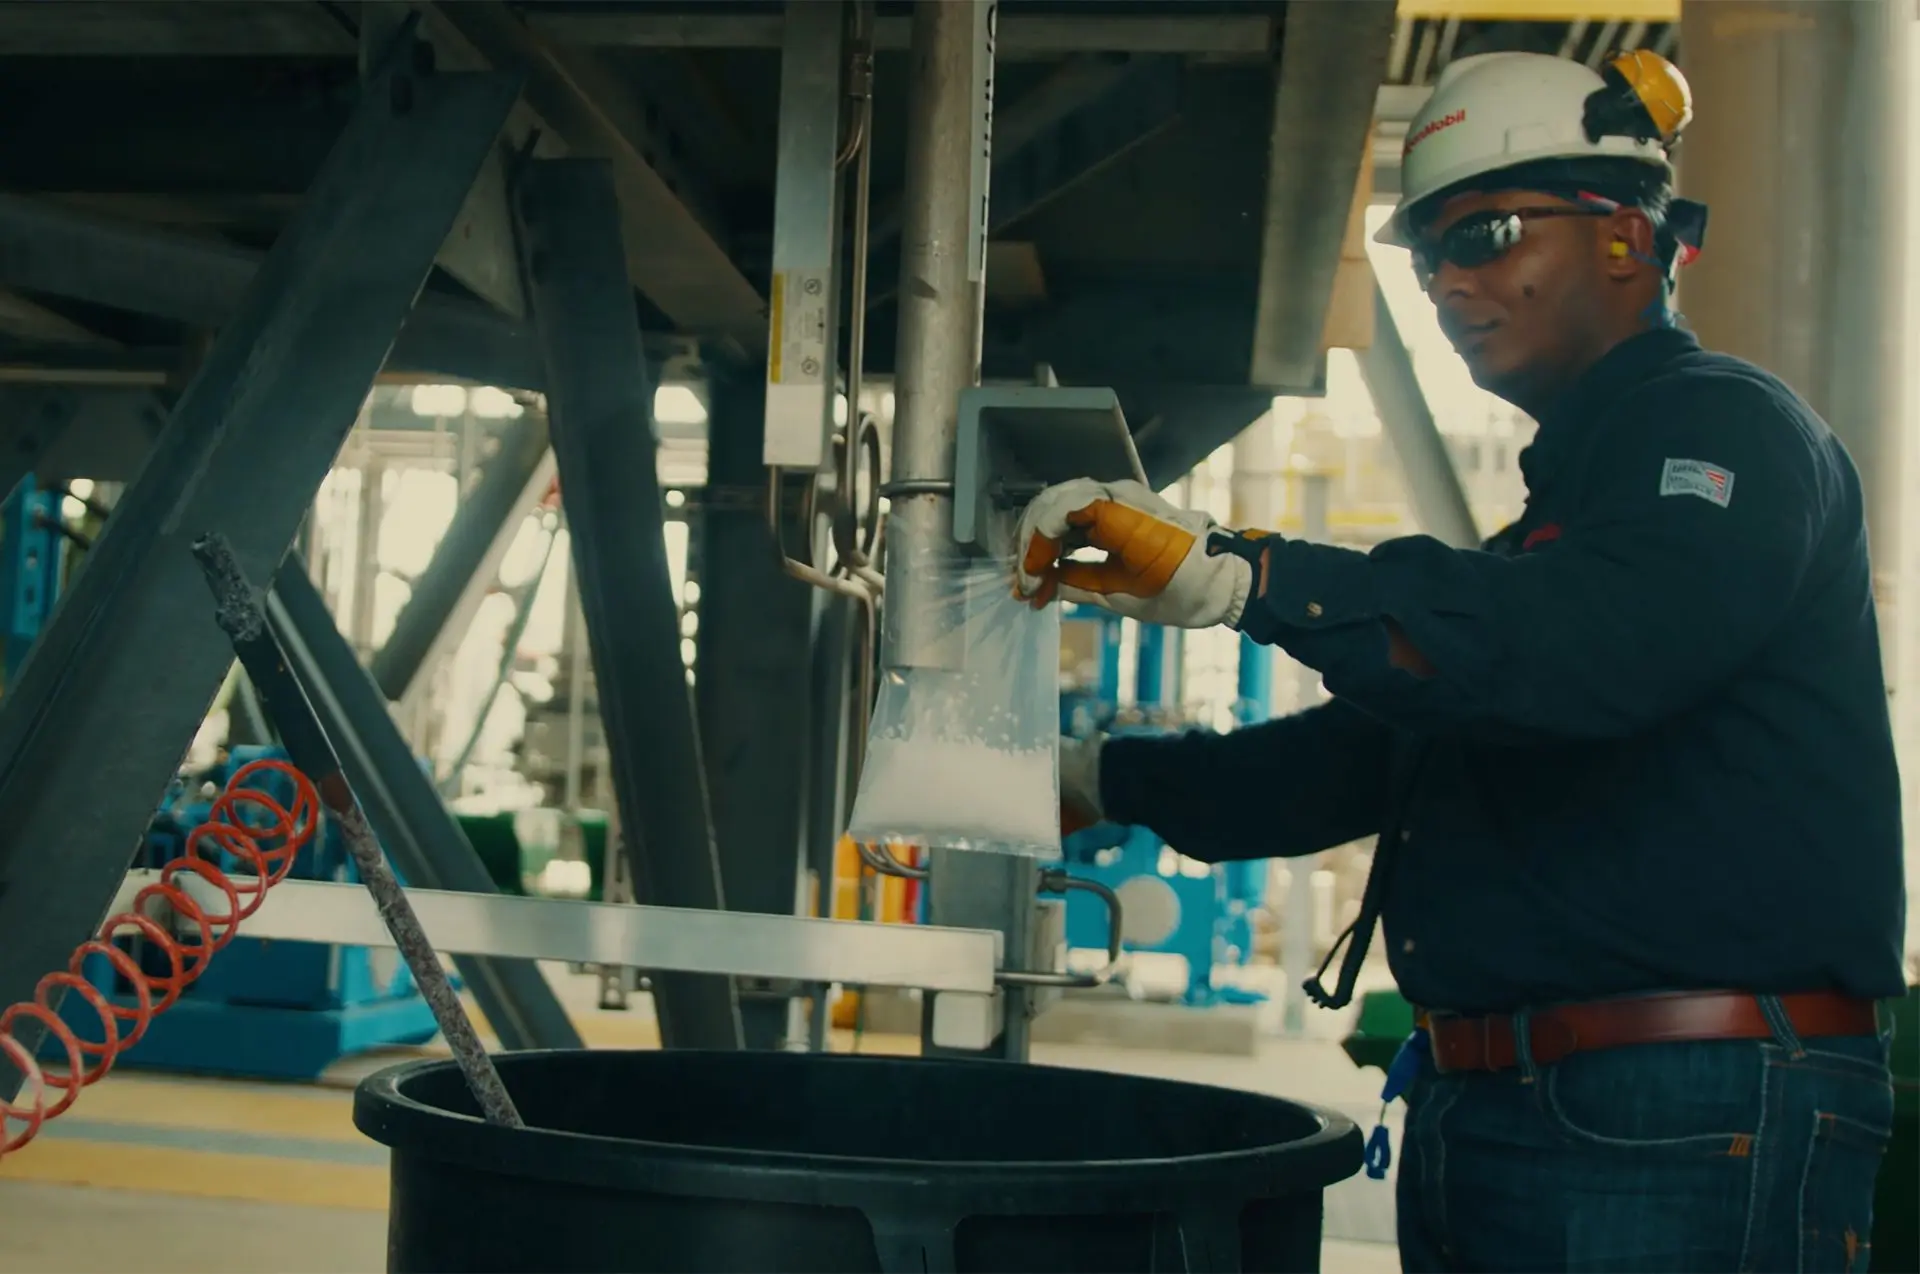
column 1406, row 1065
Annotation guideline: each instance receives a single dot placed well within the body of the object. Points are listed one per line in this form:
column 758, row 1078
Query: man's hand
column 1157, row 568
column 1080, row 783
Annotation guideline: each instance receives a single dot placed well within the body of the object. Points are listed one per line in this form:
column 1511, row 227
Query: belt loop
column 1783, row 1033
column 1523, row 1046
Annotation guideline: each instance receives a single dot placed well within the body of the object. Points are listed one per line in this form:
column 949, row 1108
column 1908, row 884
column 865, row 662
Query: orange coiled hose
column 244, row 822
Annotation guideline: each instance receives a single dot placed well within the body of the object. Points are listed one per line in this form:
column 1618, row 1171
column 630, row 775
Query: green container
column 1386, row 1019
column 593, row 839
column 493, row 838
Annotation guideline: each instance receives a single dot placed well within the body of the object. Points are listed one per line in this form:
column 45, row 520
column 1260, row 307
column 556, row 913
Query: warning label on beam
column 797, row 313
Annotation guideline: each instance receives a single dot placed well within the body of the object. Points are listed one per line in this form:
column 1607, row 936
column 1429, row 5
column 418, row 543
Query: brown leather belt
column 1487, row 1043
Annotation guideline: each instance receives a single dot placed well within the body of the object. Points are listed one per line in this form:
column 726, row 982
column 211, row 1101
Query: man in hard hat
column 1629, row 763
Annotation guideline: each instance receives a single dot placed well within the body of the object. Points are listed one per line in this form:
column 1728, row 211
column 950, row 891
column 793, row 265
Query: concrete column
column 1799, row 145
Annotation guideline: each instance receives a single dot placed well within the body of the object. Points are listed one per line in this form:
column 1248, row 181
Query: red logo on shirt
column 1545, row 534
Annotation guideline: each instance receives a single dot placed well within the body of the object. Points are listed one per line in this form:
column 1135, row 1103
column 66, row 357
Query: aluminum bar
column 600, row 404
column 735, row 943
column 424, row 841
column 93, row 731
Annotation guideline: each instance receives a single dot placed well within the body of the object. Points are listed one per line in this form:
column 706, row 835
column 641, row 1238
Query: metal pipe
column 941, row 299
column 860, row 87
column 237, row 609
column 1296, row 922
column 509, row 649
column 577, row 671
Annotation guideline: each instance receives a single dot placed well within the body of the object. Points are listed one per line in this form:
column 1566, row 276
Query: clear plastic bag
column 967, row 756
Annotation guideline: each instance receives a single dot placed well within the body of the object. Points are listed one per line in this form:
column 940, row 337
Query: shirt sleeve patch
column 1697, row 477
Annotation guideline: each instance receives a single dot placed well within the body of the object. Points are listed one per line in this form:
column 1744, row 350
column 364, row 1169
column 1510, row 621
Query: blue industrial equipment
column 32, row 557
column 1089, row 635
column 267, row 1009
column 1255, row 701
column 1171, row 905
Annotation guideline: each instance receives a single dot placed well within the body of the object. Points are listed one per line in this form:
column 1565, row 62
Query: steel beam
column 1090, row 114
column 600, row 402
column 1041, row 161
column 200, row 282
column 113, row 28
column 1175, row 427
column 94, row 729
column 23, row 319
column 422, row 838
column 1332, row 61
column 1439, row 500
column 753, row 687
column 467, row 559
column 1022, row 35
column 61, row 432
column 670, row 249
column 1193, row 331
column 479, row 252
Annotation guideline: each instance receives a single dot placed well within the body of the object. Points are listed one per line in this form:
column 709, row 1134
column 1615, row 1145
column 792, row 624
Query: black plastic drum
column 686, row 1161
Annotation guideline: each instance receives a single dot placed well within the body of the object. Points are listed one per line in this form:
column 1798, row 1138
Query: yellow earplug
column 1617, row 248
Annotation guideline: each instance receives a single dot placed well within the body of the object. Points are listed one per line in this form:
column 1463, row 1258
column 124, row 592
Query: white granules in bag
column 965, row 795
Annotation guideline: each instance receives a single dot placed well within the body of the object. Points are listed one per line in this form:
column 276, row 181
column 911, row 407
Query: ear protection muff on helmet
column 1644, row 97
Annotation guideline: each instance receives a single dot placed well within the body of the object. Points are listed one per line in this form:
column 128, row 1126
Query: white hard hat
column 1501, row 110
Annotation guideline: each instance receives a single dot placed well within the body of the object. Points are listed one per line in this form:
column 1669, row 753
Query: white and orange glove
column 1157, row 569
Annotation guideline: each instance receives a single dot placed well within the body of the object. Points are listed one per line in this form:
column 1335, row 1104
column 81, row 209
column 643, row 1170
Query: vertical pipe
column 1296, row 930
column 366, row 564
column 942, row 299
column 1439, row 501
column 1150, row 673
column 1257, row 494
column 574, row 641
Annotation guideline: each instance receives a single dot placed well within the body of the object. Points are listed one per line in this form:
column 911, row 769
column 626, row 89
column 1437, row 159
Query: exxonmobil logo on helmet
column 1433, row 126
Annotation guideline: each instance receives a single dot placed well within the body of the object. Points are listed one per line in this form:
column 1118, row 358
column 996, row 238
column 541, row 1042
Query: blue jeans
column 1726, row 1155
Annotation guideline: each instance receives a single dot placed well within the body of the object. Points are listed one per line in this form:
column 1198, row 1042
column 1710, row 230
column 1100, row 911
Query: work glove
column 1157, row 568
column 1080, row 783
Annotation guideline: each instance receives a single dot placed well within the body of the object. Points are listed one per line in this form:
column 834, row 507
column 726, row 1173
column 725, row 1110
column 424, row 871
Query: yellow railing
column 1544, row 10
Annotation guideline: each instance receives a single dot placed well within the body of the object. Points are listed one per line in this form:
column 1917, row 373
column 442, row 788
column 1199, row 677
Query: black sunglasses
column 1481, row 238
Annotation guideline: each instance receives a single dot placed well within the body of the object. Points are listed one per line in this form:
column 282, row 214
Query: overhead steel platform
column 1156, row 167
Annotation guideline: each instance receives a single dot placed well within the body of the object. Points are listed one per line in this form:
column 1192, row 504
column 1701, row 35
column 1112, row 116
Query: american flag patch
column 1697, row 477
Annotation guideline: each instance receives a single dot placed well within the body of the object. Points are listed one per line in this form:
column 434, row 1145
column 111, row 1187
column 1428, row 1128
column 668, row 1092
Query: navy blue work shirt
column 1654, row 751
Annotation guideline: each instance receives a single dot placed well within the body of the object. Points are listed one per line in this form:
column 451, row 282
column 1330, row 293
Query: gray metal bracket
column 1015, row 439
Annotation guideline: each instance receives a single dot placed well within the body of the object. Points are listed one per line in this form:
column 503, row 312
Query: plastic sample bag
column 966, row 755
